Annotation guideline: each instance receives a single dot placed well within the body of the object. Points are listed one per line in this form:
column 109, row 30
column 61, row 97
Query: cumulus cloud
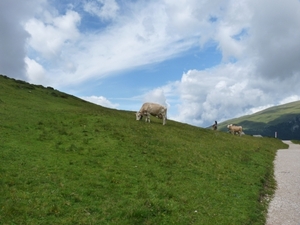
column 157, row 96
column 259, row 48
column 36, row 74
column 13, row 15
column 273, row 38
column 226, row 92
column 104, row 9
column 149, row 33
column 141, row 37
column 288, row 99
column 49, row 38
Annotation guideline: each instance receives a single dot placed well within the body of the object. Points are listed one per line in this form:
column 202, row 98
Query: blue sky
column 204, row 60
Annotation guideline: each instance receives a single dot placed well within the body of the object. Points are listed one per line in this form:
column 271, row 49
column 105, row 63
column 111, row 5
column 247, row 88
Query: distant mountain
column 284, row 120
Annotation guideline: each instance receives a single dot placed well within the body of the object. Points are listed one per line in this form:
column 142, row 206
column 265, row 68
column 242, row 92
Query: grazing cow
column 215, row 126
column 153, row 109
column 235, row 129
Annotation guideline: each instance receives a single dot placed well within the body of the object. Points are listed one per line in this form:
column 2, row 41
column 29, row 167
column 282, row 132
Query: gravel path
column 284, row 209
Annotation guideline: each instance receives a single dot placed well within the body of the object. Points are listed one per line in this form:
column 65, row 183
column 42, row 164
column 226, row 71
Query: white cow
column 235, row 129
column 153, row 109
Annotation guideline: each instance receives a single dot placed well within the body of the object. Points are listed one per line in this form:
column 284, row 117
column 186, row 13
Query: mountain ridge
column 281, row 121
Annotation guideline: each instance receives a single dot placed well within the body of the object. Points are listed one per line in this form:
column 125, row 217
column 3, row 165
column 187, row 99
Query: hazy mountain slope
column 283, row 119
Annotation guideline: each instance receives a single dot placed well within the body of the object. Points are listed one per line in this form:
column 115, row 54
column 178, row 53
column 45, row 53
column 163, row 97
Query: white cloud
column 100, row 100
column 258, row 109
column 291, row 98
column 264, row 73
column 226, row 92
column 156, row 96
column 13, row 14
column 104, row 9
column 133, row 40
column 273, row 38
column 36, row 74
column 50, row 38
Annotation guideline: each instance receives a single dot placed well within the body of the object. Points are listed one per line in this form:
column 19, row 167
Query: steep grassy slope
column 67, row 161
column 283, row 119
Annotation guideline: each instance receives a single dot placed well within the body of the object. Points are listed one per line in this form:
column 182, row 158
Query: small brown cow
column 235, row 129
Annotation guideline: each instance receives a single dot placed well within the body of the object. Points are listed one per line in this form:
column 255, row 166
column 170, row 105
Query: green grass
column 273, row 114
column 296, row 141
column 67, row 161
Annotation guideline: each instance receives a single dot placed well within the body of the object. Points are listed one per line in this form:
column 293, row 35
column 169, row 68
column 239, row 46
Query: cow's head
column 139, row 115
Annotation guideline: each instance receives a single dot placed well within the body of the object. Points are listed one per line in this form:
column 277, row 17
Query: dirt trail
column 284, row 209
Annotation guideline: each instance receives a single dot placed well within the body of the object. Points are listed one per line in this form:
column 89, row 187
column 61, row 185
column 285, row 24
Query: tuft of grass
column 67, row 161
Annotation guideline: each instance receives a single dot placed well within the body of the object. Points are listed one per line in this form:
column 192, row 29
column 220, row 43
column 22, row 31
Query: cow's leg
column 148, row 117
column 145, row 113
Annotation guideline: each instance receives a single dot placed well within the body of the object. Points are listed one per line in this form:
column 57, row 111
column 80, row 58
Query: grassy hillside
column 283, row 119
column 67, row 161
